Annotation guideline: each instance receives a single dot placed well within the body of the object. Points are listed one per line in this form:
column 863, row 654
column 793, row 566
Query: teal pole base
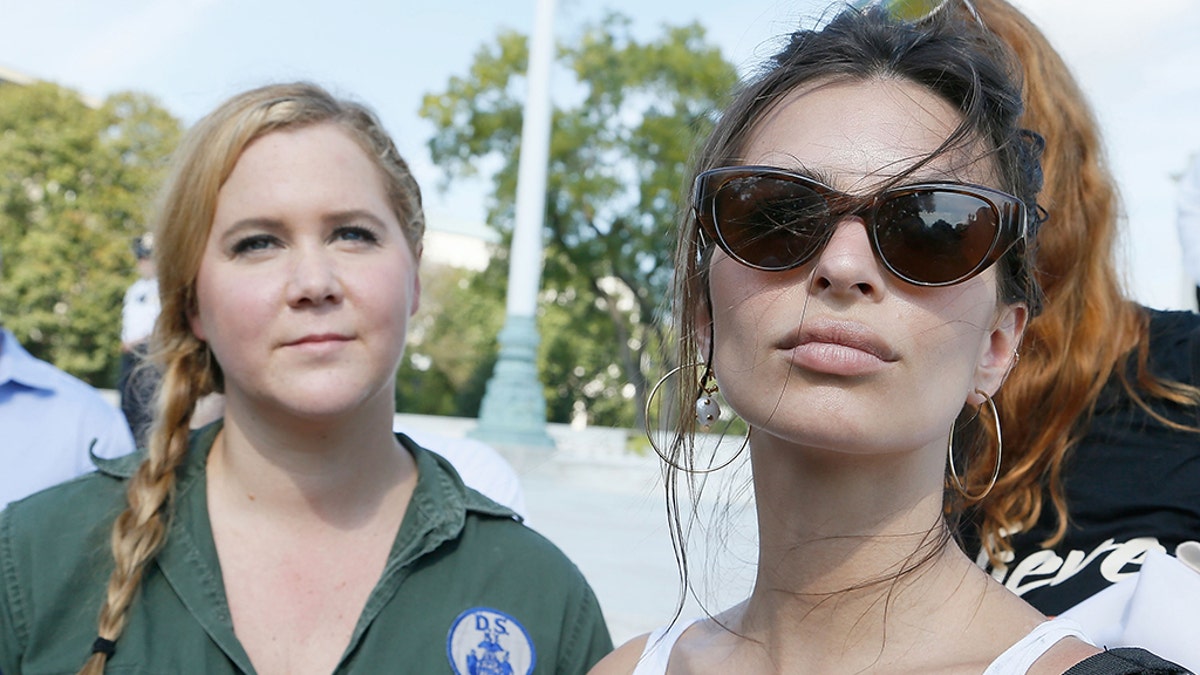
column 513, row 411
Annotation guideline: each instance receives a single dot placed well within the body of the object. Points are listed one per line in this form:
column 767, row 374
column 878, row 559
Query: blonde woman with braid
column 298, row 535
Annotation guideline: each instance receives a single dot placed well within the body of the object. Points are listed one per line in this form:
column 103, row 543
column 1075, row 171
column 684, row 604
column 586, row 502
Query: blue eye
column 257, row 242
column 357, row 233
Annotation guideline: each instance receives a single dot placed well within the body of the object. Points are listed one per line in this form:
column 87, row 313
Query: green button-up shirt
column 467, row 588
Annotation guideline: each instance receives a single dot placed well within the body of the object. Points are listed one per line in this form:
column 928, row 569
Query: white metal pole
column 525, row 266
column 513, row 411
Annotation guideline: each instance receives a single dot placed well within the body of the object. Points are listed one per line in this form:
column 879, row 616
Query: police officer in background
column 138, row 379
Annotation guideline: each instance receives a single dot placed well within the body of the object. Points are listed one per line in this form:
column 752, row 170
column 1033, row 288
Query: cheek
column 200, row 316
column 746, row 302
column 390, row 291
column 733, row 306
column 229, row 306
column 750, row 309
column 952, row 330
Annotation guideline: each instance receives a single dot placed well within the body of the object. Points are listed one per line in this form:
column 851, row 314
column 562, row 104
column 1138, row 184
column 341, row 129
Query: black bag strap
column 1126, row 661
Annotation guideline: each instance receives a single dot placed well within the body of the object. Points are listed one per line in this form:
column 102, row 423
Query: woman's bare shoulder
column 623, row 659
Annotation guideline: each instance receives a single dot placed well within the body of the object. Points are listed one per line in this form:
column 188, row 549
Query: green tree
column 451, row 343
column 618, row 157
column 75, row 184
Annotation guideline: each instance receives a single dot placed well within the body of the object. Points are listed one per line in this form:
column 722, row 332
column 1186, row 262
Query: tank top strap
column 657, row 652
column 1017, row 659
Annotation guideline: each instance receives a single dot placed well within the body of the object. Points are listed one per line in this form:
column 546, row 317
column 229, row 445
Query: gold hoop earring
column 707, row 412
column 999, row 454
column 650, row 399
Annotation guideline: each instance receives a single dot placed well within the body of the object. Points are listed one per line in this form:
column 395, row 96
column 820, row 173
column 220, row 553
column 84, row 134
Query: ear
column 703, row 325
column 416, row 294
column 999, row 351
column 193, row 317
column 416, row 287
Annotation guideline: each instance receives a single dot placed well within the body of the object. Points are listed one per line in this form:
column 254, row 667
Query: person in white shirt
column 137, row 380
column 481, row 466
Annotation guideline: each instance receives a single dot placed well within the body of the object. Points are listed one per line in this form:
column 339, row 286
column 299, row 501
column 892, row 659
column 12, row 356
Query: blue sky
column 1138, row 67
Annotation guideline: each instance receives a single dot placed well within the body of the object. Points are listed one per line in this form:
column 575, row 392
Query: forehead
column 283, row 150
column 315, row 168
column 857, row 134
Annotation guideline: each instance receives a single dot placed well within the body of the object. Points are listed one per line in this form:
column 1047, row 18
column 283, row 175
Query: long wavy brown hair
column 1089, row 329
column 184, row 218
column 970, row 71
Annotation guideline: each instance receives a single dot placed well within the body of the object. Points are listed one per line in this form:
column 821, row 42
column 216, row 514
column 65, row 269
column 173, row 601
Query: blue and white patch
column 485, row 641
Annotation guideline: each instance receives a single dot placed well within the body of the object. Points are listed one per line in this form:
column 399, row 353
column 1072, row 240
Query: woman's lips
column 318, row 338
column 319, row 342
column 839, row 348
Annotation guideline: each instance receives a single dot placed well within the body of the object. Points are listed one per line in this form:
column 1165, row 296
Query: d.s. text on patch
column 485, row 641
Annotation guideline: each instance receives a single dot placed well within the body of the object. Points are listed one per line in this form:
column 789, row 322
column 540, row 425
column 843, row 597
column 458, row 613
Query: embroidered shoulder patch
column 485, row 641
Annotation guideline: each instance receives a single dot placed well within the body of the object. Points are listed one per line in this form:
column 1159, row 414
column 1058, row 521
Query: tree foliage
column 75, row 184
column 618, row 155
column 451, row 345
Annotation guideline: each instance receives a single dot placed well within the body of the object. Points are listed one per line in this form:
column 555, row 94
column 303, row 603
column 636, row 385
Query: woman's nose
column 314, row 277
column 847, row 264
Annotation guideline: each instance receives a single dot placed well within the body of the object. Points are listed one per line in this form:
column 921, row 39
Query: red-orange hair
column 1089, row 328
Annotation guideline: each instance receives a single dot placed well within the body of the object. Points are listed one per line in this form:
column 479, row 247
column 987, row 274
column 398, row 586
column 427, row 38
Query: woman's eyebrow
column 272, row 225
column 819, row 175
column 351, row 215
column 813, row 173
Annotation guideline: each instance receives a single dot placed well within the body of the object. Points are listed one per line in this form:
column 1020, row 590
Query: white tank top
column 658, row 648
column 1015, row 660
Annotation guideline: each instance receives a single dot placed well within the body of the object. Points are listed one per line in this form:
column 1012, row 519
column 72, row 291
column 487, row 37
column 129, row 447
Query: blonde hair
column 203, row 162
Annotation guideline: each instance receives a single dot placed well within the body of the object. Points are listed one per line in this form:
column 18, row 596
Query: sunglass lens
column 935, row 236
column 910, row 11
column 769, row 222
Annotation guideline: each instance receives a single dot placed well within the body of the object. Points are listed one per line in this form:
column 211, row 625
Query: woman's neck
column 857, row 573
column 340, row 471
column 837, row 529
column 945, row 615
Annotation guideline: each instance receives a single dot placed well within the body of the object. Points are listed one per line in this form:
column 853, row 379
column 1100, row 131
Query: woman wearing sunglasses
column 854, row 277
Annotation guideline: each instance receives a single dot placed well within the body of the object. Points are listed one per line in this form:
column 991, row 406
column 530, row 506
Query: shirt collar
column 439, row 493
column 18, row 365
column 436, row 514
column 439, row 505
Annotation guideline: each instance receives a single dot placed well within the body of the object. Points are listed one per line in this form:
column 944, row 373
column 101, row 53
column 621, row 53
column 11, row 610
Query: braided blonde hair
column 203, row 162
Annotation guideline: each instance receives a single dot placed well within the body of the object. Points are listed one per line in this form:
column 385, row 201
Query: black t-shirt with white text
column 1132, row 485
